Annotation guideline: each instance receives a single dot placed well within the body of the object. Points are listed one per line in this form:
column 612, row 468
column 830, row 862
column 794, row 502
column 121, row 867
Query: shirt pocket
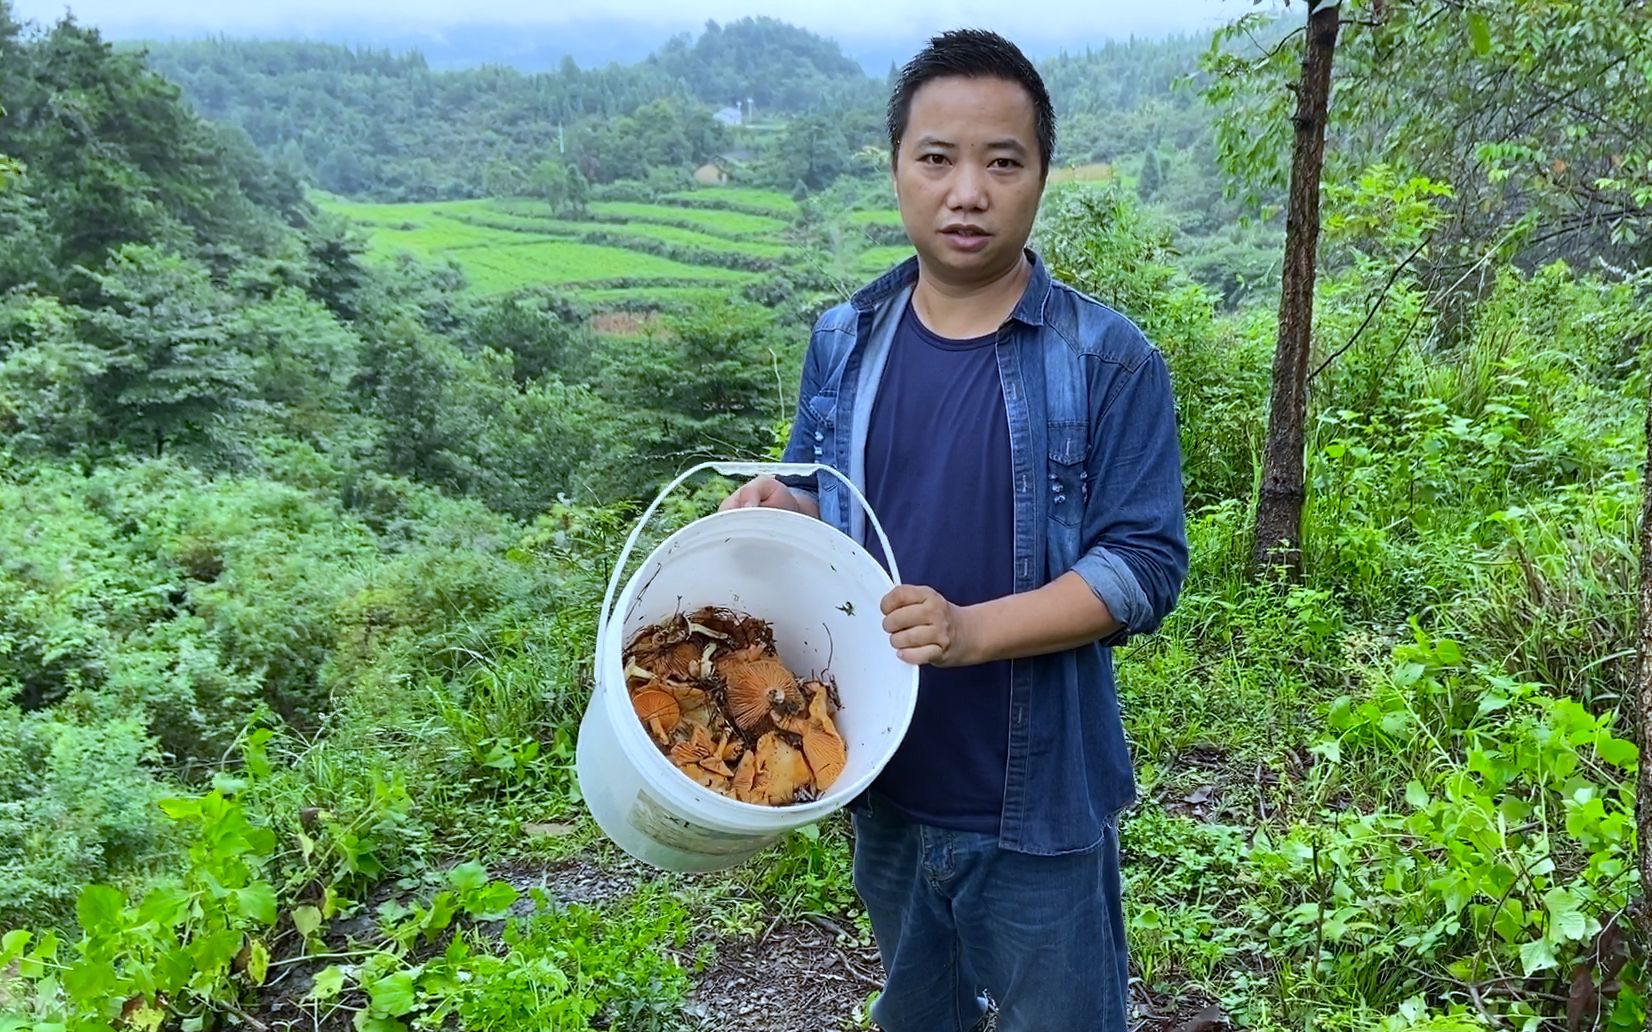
column 820, row 415
column 1068, row 482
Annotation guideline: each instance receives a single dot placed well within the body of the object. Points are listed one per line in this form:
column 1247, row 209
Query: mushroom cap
column 781, row 771
column 822, row 745
column 657, row 709
column 756, row 683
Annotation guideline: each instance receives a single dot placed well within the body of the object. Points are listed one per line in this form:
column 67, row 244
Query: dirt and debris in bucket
column 713, row 694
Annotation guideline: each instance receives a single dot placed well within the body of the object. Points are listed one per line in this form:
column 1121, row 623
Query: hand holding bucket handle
column 733, row 469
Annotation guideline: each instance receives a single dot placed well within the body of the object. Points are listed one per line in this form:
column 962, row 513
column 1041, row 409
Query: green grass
column 576, row 228
column 507, row 266
column 505, row 244
column 501, row 249
column 654, row 298
column 875, row 217
column 716, row 221
column 875, row 261
column 392, row 215
column 739, row 198
column 1096, row 172
column 689, row 238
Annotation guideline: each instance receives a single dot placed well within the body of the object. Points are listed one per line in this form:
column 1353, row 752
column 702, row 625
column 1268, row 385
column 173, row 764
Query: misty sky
column 1043, row 26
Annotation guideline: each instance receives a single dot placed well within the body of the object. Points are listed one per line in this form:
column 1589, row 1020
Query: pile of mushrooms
column 714, row 696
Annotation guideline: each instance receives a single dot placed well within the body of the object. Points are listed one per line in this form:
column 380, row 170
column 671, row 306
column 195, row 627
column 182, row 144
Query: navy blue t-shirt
column 938, row 476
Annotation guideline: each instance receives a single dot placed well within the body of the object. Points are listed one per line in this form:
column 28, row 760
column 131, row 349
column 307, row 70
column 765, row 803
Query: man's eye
column 932, row 159
column 1006, row 163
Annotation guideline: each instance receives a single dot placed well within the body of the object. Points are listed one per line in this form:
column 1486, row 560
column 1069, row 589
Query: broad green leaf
column 255, row 755
column 1479, row 32
column 1619, row 752
column 166, row 906
column 329, row 982
column 1416, row 795
column 89, row 981
column 393, row 995
column 307, row 920
column 1538, row 955
column 468, row 876
column 181, row 809
column 258, row 962
column 12, row 945
column 213, row 953
column 99, row 909
column 146, row 1017
column 1567, row 921
column 34, row 964
column 257, row 901
column 491, row 903
column 442, row 909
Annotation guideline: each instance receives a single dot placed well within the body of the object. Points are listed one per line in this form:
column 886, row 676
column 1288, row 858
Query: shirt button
column 819, row 436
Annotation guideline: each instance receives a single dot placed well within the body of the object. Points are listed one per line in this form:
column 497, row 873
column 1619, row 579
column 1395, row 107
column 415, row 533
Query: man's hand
column 767, row 492
column 926, row 628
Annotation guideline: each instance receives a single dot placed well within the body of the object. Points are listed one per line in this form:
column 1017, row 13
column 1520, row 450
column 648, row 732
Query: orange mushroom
column 744, row 776
column 709, row 683
column 757, row 683
column 781, row 771
column 696, row 746
column 823, row 746
column 694, row 703
column 657, row 710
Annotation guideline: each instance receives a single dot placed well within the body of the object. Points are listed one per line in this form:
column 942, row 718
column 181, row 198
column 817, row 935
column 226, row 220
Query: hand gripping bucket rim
column 645, row 804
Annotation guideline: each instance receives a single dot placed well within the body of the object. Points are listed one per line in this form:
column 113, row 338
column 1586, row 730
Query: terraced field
column 624, row 255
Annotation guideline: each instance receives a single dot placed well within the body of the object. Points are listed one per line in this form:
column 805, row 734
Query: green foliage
column 188, row 601
column 809, row 872
column 77, row 795
column 566, row 968
column 1497, row 840
column 1535, row 102
column 778, row 66
column 191, row 941
column 171, row 375
column 131, row 164
column 614, row 122
column 1151, row 178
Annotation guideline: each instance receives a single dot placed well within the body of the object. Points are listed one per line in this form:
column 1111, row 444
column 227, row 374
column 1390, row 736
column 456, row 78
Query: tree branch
column 1382, row 295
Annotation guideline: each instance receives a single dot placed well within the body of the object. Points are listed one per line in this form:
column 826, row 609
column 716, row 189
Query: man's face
column 968, row 177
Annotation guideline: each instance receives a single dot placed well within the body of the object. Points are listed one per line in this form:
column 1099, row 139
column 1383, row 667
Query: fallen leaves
column 715, row 697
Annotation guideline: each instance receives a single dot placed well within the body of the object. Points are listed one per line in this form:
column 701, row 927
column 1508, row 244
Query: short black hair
column 972, row 54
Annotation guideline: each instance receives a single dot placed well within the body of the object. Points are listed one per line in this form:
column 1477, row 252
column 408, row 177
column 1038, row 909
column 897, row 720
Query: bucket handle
column 732, row 469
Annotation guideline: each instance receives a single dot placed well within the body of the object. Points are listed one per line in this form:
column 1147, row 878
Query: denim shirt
column 1096, row 469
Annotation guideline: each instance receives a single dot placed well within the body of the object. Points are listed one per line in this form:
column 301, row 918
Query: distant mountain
column 590, row 42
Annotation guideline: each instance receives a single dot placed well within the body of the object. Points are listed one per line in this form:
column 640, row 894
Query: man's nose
column 967, row 190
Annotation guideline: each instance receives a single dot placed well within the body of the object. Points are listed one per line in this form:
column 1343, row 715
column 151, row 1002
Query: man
column 1018, row 442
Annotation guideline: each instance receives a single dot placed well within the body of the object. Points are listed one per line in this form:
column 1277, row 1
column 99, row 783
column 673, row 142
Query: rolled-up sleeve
column 1135, row 554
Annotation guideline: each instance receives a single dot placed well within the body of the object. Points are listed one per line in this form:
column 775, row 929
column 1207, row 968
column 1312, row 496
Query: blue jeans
column 956, row 917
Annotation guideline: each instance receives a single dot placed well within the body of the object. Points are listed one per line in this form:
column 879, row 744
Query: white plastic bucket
column 821, row 591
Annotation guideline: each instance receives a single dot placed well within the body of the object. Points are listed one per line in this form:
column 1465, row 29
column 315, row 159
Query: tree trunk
column 1279, row 510
column 1643, row 712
